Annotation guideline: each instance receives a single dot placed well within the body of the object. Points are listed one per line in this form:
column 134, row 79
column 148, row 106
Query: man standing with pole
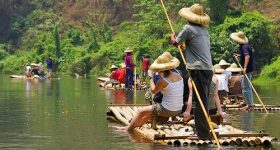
column 197, row 51
column 247, row 63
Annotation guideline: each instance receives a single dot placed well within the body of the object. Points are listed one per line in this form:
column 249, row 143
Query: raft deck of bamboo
column 180, row 134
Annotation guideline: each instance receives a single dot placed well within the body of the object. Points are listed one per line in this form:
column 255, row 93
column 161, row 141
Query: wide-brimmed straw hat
column 239, row 37
column 127, row 50
column 34, row 64
column 233, row 68
column 122, row 65
column 218, row 69
column 165, row 62
column 224, row 63
column 195, row 14
column 114, row 67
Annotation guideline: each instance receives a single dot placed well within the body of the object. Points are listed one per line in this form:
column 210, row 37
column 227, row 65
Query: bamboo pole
column 135, row 78
column 193, row 84
column 251, row 85
column 119, row 116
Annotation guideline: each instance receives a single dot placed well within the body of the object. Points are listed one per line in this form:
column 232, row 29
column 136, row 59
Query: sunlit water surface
column 70, row 113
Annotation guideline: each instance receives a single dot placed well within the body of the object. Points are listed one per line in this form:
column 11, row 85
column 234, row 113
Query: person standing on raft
column 129, row 68
column 197, row 53
column 246, row 61
column 170, row 85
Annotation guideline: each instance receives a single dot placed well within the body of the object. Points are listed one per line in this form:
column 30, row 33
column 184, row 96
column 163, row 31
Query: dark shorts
column 163, row 114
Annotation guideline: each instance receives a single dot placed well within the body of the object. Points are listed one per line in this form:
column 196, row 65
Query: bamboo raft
column 102, row 81
column 258, row 107
column 179, row 133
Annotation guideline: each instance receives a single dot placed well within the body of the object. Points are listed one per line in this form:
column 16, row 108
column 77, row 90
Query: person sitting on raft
column 170, row 85
column 214, row 101
column 27, row 70
column 114, row 76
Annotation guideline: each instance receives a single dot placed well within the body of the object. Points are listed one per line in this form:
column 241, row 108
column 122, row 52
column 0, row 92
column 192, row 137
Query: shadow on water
column 71, row 114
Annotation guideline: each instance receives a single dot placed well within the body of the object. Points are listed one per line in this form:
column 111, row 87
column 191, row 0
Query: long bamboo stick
column 193, row 84
column 252, row 85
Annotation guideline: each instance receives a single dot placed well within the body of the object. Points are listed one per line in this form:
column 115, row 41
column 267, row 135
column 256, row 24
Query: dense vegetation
column 86, row 37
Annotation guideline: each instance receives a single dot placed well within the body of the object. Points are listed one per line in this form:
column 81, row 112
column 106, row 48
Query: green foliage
column 258, row 29
column 271, row 71
column 91, row 47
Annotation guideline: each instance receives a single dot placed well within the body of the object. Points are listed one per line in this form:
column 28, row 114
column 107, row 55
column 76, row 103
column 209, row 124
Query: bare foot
column 186, row 117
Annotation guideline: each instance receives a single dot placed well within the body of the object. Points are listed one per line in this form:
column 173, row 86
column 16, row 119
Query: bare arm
column 217, row 100
column 158, row 87
column 246, row 62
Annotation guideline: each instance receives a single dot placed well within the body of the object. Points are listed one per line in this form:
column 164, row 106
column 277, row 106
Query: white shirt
column 223, row 81
column 173, row 95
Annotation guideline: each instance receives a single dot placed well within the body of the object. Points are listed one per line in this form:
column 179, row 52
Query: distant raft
column 180, row 134
column 109, row 86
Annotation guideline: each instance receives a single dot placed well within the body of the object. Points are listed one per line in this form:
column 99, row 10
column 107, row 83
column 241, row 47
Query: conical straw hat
column 195, row 14
column 218, row 69
column 233, row 68
column 165, row 62
column 114, row 67
column 239, row 37
column 127, row 50
column 122, row 65
column 224, row 63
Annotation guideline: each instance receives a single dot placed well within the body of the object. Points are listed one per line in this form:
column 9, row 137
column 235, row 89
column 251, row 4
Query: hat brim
column 174, row 63
column 192, row 17
column 224, row 64
column 219, row 70
column 238, row 40
column 33, row 64
column 129, row 50
column 234, row 69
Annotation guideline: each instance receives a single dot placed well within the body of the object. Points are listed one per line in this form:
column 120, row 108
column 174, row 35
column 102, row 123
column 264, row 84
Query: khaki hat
column 195, row 14
column 127, row 50
column 34, row 64
column 218, row 69
column 233, row 68
column 122, row 65
column 224, row 63
column 165, row 62
column 114, row 67
column 239, row 37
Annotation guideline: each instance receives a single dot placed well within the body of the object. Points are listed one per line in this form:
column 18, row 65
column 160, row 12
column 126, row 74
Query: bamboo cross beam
column 163, row 137
column 193, row 84
column 252, row 86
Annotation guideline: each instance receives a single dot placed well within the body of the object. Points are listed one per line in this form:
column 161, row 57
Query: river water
column 70, row 113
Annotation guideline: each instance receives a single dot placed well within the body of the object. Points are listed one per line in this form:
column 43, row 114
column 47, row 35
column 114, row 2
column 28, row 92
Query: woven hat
column 239, row 37
column 233, row 68
column 122, row 65
column 127, row 50
column 35, row 65
column 218, row 69
column 195, row 14
column 165, row 62
column 114, row 67
column 224, row 63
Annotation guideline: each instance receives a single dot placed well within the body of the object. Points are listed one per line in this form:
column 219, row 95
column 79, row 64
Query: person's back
column 145, row 64
column 235, row 84
column 122, row 75
column 116, row 74
column 197, row 50
column 173, row 93
column 246, row 50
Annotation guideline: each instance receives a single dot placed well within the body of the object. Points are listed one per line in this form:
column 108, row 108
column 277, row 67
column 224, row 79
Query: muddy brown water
column 70, row 113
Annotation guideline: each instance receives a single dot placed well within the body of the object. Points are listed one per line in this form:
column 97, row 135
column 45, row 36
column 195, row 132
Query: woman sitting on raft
column 170, row 85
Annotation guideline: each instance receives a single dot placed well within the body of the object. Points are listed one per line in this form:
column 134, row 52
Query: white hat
column 239, row 37
column 195, row 14
column 165, row 62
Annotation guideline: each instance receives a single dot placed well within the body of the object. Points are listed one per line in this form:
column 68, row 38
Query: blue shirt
column 246, row 50
column 49, row 63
